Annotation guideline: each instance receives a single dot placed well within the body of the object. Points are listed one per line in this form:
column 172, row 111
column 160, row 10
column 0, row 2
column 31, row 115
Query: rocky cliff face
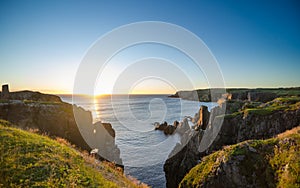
column 238, row 125
column 254, row 163
column 259, row 94
column 56, row 118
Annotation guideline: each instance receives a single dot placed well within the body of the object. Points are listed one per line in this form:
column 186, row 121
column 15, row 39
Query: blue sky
column 256, row 43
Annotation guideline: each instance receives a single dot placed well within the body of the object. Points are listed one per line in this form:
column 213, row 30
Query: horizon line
column 60, row 92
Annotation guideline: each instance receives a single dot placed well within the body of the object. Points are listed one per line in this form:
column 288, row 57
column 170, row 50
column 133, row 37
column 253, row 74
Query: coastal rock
column 254, row 163
column 168, row 129
column 236, row 127
column 183, row 126
column 109, row 129
column 176, row 123
column 57, row 119
column 203, row 118
column 161, row 127
column 254, row 95
column 183, row 157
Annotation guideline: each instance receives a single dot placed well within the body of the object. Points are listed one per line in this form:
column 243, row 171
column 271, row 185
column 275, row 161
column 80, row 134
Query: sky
column 42, row 43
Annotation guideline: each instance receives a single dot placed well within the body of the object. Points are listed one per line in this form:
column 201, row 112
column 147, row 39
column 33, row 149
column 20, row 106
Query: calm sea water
column 143, row 150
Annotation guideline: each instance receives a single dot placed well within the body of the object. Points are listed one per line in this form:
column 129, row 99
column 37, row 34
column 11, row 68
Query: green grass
column 276, row 162
column 41, row 102
column 203, row 171
column 278, row 91
column 281, row 103
column 4, row 100
column 259, row 111
column 229, row 116
column 32, row 160
column 258, row 108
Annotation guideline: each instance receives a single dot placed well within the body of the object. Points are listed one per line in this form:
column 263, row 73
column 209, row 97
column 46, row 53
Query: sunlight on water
column 143, row 150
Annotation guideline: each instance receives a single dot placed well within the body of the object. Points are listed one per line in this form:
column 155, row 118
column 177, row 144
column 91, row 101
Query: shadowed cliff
column 242, row 121
column 51, row 116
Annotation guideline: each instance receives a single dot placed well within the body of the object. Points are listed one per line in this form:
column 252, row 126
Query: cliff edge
column 49, row 115
column 243, row 120
column 254, row 163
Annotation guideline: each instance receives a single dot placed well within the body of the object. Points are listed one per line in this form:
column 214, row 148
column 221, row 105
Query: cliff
column 243, row 121
column 32, row 160
column 258, row 94
column 48, row 114
column 254, row 163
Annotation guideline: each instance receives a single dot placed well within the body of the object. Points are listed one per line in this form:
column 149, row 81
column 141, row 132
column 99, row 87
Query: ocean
column 143, row 150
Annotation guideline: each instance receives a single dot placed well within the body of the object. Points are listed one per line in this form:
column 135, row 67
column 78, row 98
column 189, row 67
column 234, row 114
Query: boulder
column 161, row 127
column 168, row 129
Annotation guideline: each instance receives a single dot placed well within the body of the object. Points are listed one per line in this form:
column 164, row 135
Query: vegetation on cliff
column 235, row 108
column 31, row 160
column 244, row 120
column 51, row 116
column 258, row 94
column 273, row 162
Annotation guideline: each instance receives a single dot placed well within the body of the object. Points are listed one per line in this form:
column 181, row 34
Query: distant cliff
column 244, row 120
column 27, row 95
column 258, row 94
column 48, row 114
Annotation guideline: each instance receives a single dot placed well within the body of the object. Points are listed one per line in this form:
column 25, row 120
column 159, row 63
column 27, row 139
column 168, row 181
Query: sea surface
column 143, row 150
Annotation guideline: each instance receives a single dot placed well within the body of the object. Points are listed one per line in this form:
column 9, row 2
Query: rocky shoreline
column 49, row 115
column 244, row 119
column 242, row 115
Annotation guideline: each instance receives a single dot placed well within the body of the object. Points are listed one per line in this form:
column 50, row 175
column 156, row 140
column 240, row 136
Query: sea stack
column 5, row 92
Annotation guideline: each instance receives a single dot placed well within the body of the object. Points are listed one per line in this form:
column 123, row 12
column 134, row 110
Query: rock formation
column 168, row 129
column 238, row 125
column 49, row 115
column 253, row 163
column 203, row 118
column 256, row 95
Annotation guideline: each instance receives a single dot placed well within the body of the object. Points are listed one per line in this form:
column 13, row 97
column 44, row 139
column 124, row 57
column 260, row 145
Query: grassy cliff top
column 31, row 160
column 257, row 108
column 264, row 163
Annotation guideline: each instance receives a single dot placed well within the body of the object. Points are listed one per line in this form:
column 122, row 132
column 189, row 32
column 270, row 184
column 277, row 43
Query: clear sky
column 256, row 43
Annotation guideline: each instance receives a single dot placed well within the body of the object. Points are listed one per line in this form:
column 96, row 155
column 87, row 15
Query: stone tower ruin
column 5, row 92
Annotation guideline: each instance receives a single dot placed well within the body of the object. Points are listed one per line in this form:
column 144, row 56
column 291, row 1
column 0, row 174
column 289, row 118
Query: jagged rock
column 234, row 129
column 176, row 123
column 182, row 159
column 183, row 126
column 195, row 118
column 203, row 118
column 250, row 164
column 168, row 129
column 109, row 129
column 161, row 127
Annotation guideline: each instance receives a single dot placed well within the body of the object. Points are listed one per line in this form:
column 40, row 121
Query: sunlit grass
column 275, row 162
column 32, row 160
